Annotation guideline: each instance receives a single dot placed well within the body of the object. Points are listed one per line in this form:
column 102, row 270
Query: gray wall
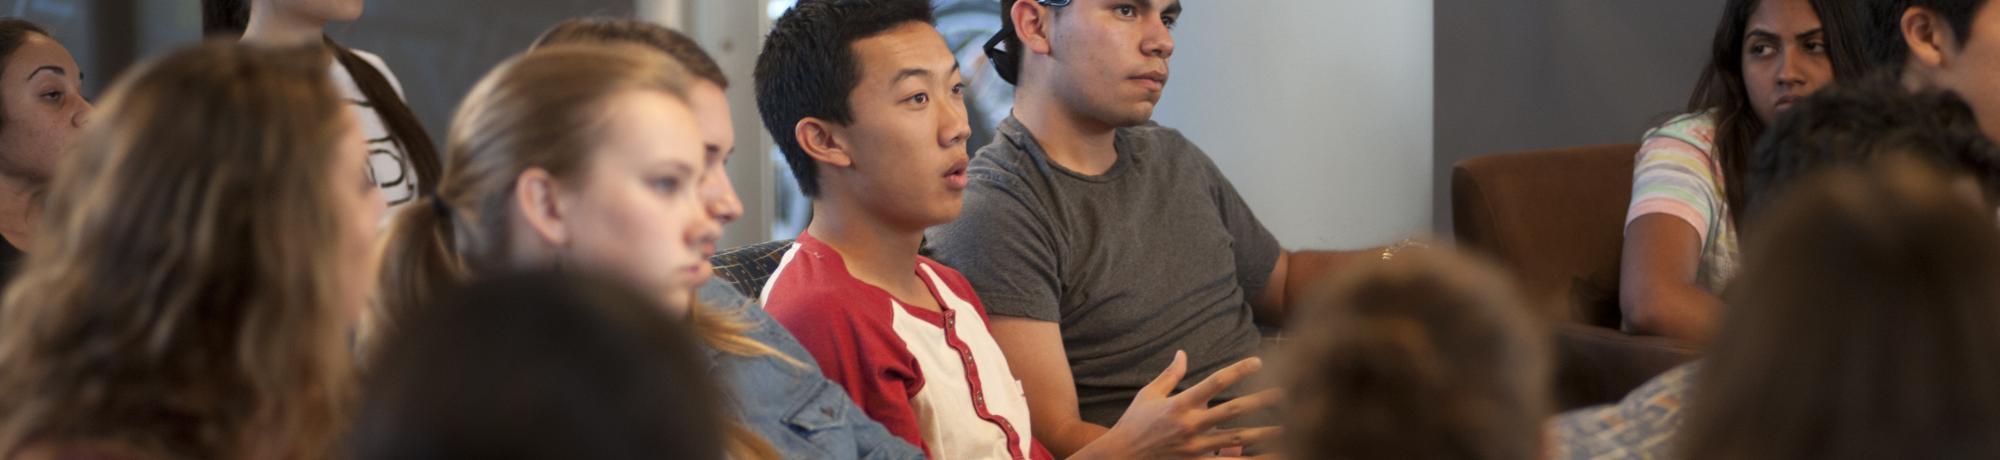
column 73, row 23
column 436, row 48
column 1509, row 75
column 1330, row 145
column 1529, row 74
column 732, row 33
column 439, row 48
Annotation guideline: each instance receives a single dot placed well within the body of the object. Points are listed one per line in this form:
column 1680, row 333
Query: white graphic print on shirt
column 388, row 164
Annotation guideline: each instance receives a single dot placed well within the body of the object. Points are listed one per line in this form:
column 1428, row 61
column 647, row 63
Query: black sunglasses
column 992, row 48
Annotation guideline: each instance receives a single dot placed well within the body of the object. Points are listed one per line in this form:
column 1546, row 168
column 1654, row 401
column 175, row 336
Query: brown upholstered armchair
column 1556, row 219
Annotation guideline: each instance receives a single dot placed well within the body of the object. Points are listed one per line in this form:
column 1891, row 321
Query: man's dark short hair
column 1854, row 124
column 1884, row 29
column 808, row 67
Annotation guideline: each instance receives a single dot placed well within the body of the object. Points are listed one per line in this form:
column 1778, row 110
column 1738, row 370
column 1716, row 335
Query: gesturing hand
column 1163, row 425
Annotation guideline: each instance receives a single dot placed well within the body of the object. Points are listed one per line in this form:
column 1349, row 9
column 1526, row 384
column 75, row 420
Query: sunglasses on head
column 992, row 48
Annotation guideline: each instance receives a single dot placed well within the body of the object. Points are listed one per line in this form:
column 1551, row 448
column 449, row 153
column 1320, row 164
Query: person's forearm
column 1310, row 268
column 1077, row 439
column 1657, row 290
column 1305, row 269
column 1683, row 312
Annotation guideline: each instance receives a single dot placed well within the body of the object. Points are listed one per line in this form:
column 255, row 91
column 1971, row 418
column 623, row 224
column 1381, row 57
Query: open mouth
column 955, row 178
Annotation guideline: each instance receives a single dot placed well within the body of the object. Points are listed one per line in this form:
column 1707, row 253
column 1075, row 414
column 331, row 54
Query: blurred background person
column 541, row 365
column 208, row 249
column 1428, row 355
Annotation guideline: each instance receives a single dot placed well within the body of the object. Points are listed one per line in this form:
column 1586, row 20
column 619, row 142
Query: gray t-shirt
column 1155, row 255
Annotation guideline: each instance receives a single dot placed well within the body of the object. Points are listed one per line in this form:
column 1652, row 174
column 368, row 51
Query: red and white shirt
column 934, row 378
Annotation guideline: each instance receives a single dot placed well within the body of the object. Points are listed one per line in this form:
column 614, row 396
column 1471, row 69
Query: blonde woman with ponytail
column 720, row 329
column 589, row 157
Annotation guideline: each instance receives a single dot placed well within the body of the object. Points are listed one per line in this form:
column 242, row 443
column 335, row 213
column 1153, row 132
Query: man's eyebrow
column 912, row 72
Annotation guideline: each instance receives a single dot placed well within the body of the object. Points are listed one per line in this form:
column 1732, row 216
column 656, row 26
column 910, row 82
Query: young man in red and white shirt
column 865, row 100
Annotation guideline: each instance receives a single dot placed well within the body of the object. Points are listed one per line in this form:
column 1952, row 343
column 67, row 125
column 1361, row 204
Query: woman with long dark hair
column 401, row 157
column 1844, row 126
column 1680, row 231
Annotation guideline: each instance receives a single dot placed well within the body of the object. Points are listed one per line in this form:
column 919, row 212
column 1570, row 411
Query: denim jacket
column 800, row 412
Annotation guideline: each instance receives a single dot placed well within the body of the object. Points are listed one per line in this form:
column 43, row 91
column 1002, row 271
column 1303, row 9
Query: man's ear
column 1932, row 43
column 536, row 201
column 1031, row 25
column 824, row 141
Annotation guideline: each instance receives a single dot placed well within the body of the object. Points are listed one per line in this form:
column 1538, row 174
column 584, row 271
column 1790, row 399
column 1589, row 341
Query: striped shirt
column 934, row 378
column 1646, row 424
column 1676, row 175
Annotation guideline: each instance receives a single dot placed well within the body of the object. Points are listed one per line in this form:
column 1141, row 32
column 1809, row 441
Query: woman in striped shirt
column 1680, row 231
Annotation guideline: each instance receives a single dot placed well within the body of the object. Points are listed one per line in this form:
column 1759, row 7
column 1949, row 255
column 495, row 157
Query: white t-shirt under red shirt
column 934, row 378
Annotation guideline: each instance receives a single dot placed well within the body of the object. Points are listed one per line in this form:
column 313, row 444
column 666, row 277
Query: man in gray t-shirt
column 1101, row 243
column 1153, row 255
